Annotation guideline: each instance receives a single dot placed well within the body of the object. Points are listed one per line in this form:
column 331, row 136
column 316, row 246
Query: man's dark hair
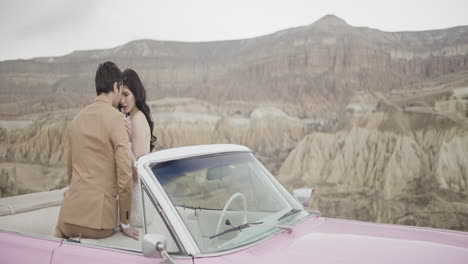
column 106, row 75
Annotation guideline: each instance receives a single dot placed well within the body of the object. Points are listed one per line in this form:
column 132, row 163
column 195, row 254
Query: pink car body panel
column 23, row 249
column 16, row 248
column 321, row 240
column 79, row 254
column 326, row 240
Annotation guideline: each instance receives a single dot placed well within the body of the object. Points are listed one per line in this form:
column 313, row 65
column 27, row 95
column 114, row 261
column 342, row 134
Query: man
column 99, row 165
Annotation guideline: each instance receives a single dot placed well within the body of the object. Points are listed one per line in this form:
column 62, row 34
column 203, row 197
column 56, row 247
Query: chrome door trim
column 176, row 224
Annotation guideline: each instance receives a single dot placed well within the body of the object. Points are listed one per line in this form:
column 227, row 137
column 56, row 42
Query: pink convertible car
column 218, row 204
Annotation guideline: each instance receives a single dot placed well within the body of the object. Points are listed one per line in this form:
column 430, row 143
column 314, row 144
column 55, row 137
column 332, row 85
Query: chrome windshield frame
column 177, row 226
column 175, row 223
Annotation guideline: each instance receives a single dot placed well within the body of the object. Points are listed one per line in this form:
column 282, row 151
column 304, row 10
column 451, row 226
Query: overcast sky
column 57, row 27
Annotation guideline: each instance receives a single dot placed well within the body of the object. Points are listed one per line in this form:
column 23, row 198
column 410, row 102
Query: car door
column 73, row 253
column 100, row 251
column 15, row 248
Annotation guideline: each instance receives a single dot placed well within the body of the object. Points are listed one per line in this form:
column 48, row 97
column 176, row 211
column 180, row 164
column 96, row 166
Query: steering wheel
column 228, row 203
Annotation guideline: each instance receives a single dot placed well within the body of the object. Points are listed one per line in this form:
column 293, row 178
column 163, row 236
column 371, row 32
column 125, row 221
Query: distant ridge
column 319, row 66
column 330, row 20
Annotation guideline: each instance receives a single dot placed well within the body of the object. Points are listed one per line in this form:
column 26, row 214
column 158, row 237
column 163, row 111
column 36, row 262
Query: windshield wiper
column 289, row 213
column 235, row 228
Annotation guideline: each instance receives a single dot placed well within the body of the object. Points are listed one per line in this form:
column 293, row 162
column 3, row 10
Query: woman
column 140, row 131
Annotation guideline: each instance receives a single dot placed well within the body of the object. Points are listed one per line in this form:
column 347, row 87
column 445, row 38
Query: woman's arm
column 140, row 138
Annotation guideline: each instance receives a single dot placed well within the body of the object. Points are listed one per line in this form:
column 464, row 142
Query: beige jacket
column 99, row 169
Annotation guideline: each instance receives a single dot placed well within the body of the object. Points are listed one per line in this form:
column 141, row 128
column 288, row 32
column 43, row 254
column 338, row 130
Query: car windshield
column 220, row 192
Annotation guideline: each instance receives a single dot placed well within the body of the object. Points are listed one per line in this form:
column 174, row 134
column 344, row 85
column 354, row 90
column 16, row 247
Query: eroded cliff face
column 386, row 163
column 40, row 143
column 389, row 167
column 32, row 158
column 268, row 131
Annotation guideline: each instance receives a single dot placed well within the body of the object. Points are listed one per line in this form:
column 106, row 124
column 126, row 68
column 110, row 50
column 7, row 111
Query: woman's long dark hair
column 133, row 82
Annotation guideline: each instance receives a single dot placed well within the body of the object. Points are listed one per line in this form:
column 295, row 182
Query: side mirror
column 303, row 195
column 153, row 244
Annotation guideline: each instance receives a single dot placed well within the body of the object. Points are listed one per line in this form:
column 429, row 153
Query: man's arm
column 123, row 168
column 69, row 160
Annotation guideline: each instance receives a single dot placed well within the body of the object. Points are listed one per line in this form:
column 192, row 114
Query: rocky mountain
column 317, row 67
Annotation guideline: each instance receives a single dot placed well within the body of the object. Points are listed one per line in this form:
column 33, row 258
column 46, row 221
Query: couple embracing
column 103, row 146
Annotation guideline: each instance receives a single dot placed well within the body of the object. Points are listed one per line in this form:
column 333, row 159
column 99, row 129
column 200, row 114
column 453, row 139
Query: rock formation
column 32, row 158
column 390, row 167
